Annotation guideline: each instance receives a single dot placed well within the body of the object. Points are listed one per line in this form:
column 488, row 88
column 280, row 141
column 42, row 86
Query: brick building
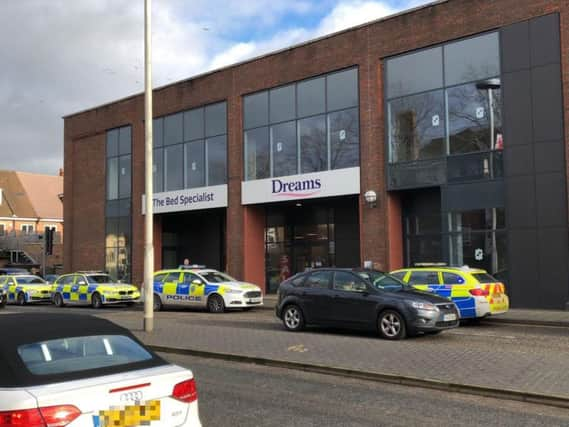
column 451, row 115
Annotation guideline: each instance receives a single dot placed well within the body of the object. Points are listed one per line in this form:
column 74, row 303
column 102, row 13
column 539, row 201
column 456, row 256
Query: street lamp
column 370, row 197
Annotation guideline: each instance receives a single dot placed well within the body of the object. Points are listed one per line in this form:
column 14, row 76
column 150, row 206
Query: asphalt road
column 236, row 394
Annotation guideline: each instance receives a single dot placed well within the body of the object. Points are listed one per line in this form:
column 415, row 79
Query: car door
column 170, row 289
column 81, row 292
column 351, row 304
column 459, row 294
column 428, row 280
column 193, row 288
column 315, row 296
column 65, row 284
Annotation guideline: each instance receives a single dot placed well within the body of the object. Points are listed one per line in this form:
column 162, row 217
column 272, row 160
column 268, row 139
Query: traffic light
column 49, row 232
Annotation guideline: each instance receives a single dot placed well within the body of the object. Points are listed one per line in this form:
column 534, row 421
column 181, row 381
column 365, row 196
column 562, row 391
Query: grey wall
column 534, row 164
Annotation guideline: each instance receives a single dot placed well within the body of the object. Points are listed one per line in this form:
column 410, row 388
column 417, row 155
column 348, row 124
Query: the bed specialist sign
column 337, row 182
column 189, row 199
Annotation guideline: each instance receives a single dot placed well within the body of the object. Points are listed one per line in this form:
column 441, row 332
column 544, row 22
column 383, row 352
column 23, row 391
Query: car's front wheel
column 58, row 300
column 293, row 319
column 215, row 304
column 96, row 301
column 391, row 325
column 21, row 299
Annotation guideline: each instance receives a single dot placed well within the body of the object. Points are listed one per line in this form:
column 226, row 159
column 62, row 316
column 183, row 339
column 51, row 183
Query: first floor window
column 27, row 228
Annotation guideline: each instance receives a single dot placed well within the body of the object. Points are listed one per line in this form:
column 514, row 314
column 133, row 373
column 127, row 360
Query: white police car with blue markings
column 197, row 286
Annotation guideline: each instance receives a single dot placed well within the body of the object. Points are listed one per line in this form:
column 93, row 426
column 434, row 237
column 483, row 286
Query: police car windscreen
column 99, row 278
column 29, row 280
column 217, row 277
column 65, row 355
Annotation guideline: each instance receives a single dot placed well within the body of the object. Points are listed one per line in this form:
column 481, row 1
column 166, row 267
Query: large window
column 445, row 100
column 309, row 126
column 118, row 205
column 190, row 148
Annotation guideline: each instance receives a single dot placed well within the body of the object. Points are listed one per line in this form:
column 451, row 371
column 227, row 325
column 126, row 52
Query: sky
column 58, row 57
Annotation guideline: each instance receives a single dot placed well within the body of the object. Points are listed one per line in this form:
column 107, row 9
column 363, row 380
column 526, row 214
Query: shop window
column 173, row 129
column 216, row 160
column 174, row 167
column 282, row 104
column 158, row 170
column 472, row 59
column 194, row 124
column 417, row 127
column 474, row 115
column 284, row 149
column 311, row 97
column 215, row 119
column 256, row 110
column 257, row 158
column 342, row 90
column 343, row 128
column 195, row 164
column 416, row 72
column 313, row 147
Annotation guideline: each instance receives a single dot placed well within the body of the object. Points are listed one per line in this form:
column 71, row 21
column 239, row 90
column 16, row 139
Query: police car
column 197, row 286
column 80, row 370
column 23, row 289
column 92, row 288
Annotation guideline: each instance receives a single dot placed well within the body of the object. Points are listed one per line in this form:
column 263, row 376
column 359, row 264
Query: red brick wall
column 364, row 46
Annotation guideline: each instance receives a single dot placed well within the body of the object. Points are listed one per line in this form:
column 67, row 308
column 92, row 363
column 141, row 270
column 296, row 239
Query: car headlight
column 424, row 306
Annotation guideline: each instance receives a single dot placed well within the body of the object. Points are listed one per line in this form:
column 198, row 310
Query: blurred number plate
column 254, row 300
column 449, row 317
column 129, row 416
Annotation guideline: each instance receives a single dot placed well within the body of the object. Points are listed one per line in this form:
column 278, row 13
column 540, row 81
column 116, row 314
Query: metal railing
column 16, row 240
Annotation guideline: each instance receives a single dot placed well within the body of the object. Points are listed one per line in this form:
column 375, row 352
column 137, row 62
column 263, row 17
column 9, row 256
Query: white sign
column 342, row 135
column 478, row 254
column 436, row 120
column 480, row 113
column 337, row 182
column 189, row 199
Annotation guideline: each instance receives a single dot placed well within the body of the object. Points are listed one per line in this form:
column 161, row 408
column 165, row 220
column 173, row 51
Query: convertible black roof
column 29, row 328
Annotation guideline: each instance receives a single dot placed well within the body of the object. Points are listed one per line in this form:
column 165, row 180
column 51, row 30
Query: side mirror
column 197, row 282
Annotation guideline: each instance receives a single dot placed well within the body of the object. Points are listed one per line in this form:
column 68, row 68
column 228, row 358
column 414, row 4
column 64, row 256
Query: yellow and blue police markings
column 203, row 287
column 94, row 289
column 473, row 298
column 24, row 289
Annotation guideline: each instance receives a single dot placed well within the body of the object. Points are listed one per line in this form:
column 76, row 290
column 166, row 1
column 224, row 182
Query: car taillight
column 50, row 416
column 185, row 391
column 477, row 292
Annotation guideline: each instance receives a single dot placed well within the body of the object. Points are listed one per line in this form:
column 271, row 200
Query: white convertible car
column 77, row 370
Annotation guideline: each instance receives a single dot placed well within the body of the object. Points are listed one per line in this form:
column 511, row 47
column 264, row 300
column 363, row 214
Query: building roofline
column 266, row 55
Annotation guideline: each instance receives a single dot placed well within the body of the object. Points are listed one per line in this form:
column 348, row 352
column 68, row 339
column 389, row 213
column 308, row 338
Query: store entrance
column 310, row 234
column 197, row 235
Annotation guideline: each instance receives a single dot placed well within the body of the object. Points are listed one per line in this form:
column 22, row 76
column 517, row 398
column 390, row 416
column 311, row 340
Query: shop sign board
column 337, row 182
column 189, row 199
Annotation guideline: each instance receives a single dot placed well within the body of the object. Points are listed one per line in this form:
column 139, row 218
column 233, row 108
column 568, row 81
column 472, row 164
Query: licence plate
column 129, row 416
column 449, row 317
column 126, row 296
column 254, row 300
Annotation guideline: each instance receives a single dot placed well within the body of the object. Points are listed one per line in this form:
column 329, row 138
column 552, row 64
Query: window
column 215, row 119
column 66, row 355
column 452, row 279
column 319, row 279
column 160, row 277
column 172, row 277
column 158, row 170
column 345, row 281
column 484, row 278
column 400, row 274
column 298, row 280
column 174, row 167
column 190, row 277
column 424, row 278
column 194, row 123
column 416, row 72
column 195, row 164
column 305, row 127
column 173, row 129
column 216, row 160
column 27, row 228
column 119, row 192
column 65, row 280
column 98, row 278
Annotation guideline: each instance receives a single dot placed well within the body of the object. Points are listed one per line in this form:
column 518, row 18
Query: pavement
column 496, row 358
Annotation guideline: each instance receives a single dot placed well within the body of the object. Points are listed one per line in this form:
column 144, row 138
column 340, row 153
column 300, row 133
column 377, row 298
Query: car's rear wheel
column 293, row 319
column 391, row 325
column 3, row 301
column 96, row 301
column 58, row 300
column 157, row 303
column 215, row 304
column 21, row 299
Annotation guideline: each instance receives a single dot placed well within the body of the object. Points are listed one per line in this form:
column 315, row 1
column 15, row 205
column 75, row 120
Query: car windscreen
column 30, row 280
column 484, row 278
column 75, row 354
column 383, row 281
column 98, row 278
column 216, row 277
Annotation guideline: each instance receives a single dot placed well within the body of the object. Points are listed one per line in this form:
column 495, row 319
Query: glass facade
column 308, row 126
column 118, row 203
column 190, row 148
column 445, row 100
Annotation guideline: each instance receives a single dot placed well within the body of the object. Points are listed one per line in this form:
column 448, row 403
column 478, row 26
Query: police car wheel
column 3, row 302
column 157, row 304
column 58, row 300
column 21, row 300
column 96, row 301
column 293, row 319
column 391, row 325
column 215, row 304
